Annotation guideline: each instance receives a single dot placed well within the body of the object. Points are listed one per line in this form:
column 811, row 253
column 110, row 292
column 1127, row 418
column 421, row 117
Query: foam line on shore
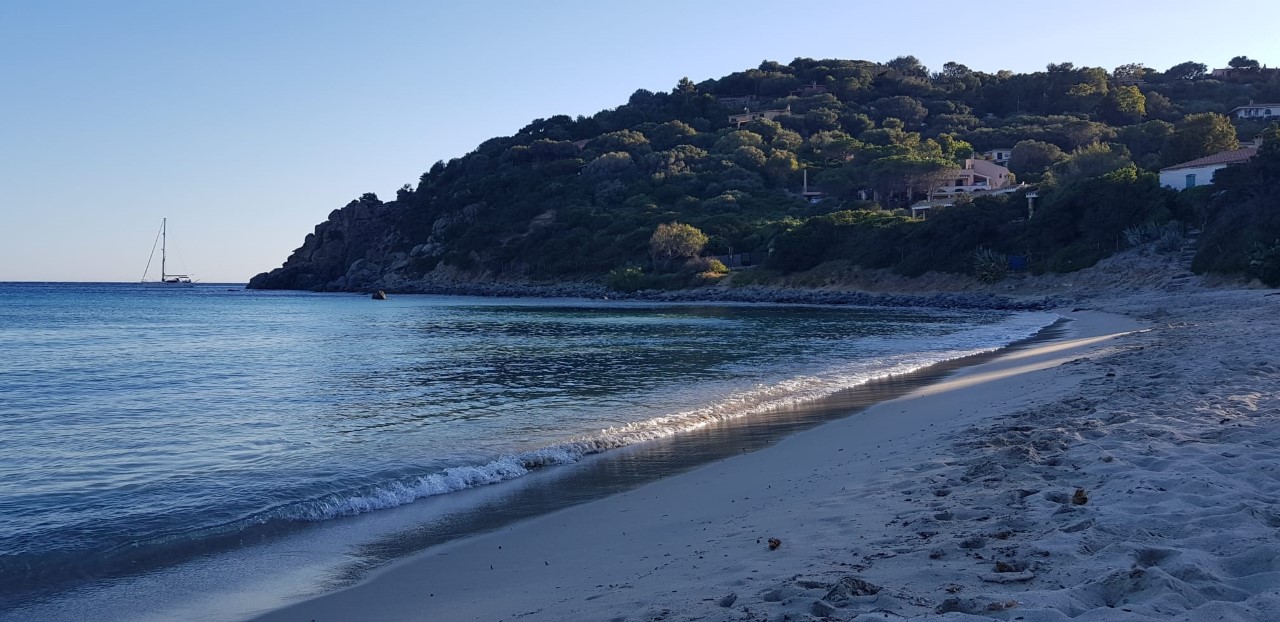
column 756, row 401
column 708, row 520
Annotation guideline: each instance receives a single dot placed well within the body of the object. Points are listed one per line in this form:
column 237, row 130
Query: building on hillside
column 1257, row 111
column 1245, row 74
column 813, row 88
column 738, row 102
column 999, row 156
column 738, row 120
column 1199, row 172
column 976, row 176
column 922, row 209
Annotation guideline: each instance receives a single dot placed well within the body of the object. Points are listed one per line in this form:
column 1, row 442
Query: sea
column 211, row 452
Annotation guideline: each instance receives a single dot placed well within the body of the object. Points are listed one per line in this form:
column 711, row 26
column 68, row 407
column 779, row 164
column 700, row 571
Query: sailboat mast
column 163, row 240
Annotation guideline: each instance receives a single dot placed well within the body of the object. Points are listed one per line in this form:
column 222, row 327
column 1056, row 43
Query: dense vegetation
column 1242, row 218
column 583, row 197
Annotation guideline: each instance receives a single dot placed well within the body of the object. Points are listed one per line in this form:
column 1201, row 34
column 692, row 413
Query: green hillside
column 581, row 198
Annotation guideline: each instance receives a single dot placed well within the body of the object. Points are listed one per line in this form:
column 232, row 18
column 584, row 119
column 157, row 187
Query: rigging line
column 151, row 256
column 182, row 261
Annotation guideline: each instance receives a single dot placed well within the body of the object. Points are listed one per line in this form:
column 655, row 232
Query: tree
column 955, row 71
column 786, row 140
column 833, row 146
column 1160, row 107
column 1243, row 62
column 909, row 66
column 1187, row 71
column 1089, row 162
column 671, row 133
column 1200, row 135
column 624, row 140
column 738, row 138
column 612, row 164
column 751, row 158
column 903, row 176
column 1031, row 158
column 1145, row 140
column 1242, row 225
column 1130, row 72
column 685, row 87
column 901, row 107
column 954, row 148
column 820, row 119
column 1125, row 105
column 675, row 240
column 780, row 166
column 404, row 194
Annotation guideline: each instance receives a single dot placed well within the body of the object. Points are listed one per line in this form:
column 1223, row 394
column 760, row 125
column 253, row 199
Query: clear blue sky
column 245, row 122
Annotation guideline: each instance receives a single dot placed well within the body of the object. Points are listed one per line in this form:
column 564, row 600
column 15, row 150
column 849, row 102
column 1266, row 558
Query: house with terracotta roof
column 1199, row 172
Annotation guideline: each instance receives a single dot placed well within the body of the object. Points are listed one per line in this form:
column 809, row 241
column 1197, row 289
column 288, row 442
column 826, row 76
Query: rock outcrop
column 349, row 251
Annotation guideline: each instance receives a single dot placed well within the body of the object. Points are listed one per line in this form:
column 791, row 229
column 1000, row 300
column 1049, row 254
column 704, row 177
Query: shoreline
column 720, row 294
column 762, row 429
column 459, row 568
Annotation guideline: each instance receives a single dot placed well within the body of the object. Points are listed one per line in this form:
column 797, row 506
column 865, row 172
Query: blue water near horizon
column 139, row 423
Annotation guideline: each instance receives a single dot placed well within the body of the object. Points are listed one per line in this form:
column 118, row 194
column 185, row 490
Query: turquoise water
column 141, row 427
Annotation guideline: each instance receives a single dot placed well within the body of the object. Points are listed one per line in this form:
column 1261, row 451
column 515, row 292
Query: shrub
column 1167, row 237
column 626, row 279
column 1264, row 262
column 1170, row 238
column 1134, row 235
column 990, row 266
column 696, row 265
column 701, row 265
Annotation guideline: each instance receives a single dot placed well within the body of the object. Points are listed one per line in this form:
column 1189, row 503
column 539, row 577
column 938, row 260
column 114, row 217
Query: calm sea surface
column 141, row 427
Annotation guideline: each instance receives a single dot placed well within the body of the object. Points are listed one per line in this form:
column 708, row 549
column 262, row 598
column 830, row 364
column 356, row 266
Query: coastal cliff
column 342, row 253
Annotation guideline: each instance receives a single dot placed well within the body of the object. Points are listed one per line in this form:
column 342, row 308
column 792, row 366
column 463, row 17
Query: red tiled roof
column 1237, row 156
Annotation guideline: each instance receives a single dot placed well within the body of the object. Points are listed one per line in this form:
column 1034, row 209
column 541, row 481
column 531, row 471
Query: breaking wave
column 887, row 359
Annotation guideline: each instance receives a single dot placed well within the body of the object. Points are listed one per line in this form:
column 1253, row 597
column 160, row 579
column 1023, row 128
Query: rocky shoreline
column 749, row 294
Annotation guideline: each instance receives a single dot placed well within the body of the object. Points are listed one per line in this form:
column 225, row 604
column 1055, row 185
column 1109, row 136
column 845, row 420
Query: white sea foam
column 879, row 358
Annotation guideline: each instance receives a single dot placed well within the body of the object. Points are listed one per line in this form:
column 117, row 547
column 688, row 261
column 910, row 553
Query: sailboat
column 180, row 280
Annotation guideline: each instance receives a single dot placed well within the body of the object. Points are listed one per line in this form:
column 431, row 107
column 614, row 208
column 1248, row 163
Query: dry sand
column 1127, row 471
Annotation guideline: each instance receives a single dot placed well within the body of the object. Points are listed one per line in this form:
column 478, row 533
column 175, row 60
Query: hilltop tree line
column 584, row 196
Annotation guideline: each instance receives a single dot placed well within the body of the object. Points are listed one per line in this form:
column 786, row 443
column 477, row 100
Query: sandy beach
column 1126, row 470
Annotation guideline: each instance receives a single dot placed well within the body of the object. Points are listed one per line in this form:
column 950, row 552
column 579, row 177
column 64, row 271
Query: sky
column 245, row 122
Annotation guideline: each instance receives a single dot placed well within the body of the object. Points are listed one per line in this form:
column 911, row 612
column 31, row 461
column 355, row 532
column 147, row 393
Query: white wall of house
column 1257, row 111
column 1190, row 177
column 999, row 156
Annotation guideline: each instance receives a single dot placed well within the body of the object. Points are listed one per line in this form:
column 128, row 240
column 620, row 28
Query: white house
column 1257, row 111
column 999, row 156
column 976, row 176
column 746, row 117
column 1199, row 172
column 924, row 208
